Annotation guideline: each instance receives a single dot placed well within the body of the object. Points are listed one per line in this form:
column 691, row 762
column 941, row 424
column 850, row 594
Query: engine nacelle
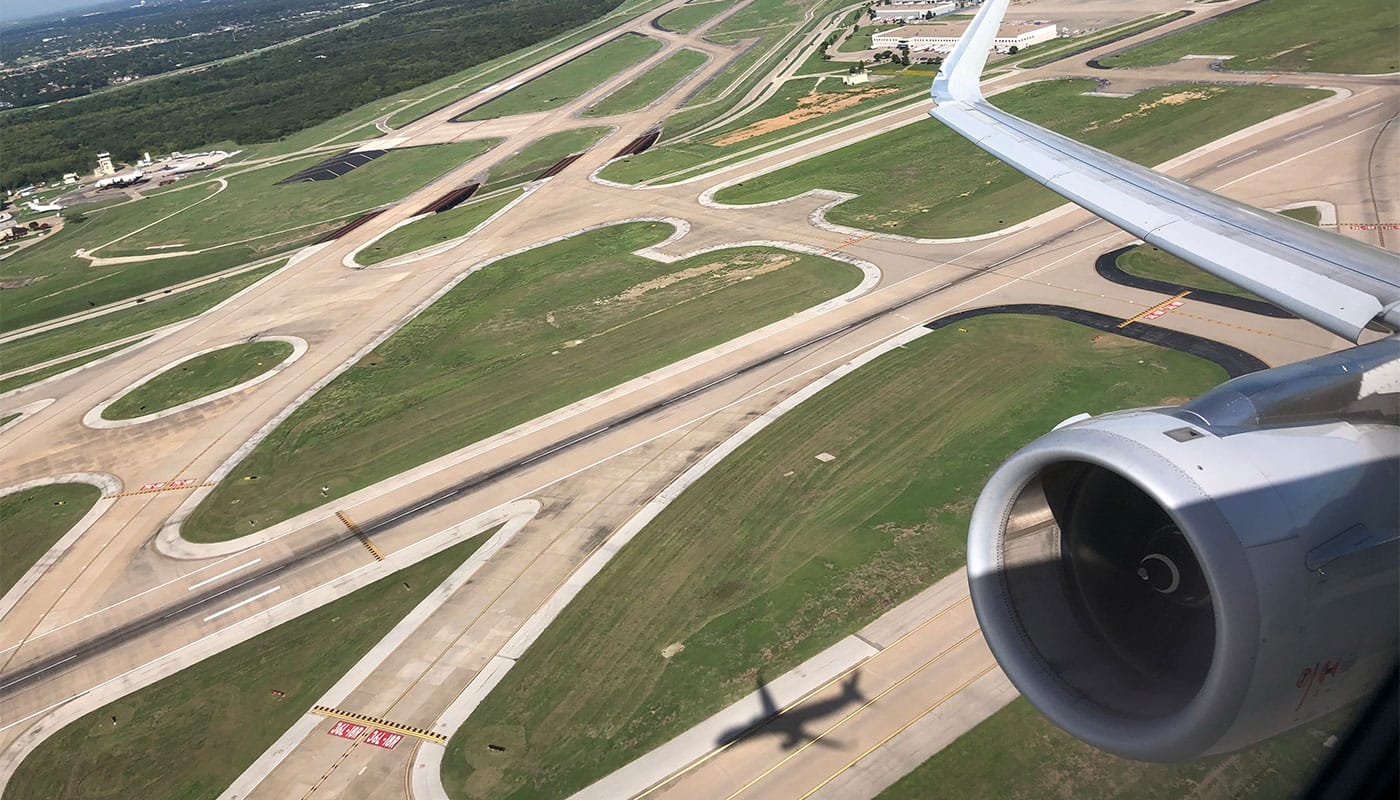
column 1163, row 586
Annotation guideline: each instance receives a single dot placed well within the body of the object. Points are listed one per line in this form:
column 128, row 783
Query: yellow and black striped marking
column 359, row 534
column 407, row 730
column 1157, row 310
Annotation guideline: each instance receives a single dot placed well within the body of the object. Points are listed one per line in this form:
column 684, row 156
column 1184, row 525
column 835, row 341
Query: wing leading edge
column 1335, row 282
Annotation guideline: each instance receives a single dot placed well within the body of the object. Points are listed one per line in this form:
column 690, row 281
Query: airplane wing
column 1335, row 282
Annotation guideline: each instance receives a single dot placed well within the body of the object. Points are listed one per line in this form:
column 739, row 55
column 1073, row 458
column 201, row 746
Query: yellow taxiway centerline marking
column 678, row 774
column 940, row 701
column 938, row 656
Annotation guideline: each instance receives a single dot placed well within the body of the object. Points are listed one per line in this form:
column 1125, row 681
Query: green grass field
column 649, row 86
column 1017, row 754
column 425, row 99
column 861, row 39
column 147, row 316
column 199, row 377
column 688, row 17
column 925, row 180
column 254, row 205
column 774, row 555
column 541, row 154
column 518, row 339
column 817, row 96
column 435, row 229
column 564, row 83
column 191, row 734
column 9, row 384
column 32, row 520
column 46, row 281
column 1349, row 36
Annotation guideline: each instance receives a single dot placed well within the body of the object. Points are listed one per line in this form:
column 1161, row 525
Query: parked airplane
column 1167, row 583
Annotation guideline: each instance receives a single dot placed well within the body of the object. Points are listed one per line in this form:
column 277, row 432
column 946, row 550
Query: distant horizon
column 27, row 10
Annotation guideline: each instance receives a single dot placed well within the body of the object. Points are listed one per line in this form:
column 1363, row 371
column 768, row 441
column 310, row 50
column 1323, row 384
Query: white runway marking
column 1239, row 157
column 242, row 603
column 45, row 669
column 223, row 574
column 1364, row 110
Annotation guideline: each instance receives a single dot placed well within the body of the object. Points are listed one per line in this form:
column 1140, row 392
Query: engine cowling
column 1165, row 588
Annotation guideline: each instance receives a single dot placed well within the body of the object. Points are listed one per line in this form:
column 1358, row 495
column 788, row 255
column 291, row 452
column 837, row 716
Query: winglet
column 961, row 76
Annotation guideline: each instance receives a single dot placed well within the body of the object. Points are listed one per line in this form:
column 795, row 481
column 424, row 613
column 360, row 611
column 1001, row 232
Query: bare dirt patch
column 813, row 105
column 738, row 270
column 670, row 650
column 20, row 283
column 1173, row 99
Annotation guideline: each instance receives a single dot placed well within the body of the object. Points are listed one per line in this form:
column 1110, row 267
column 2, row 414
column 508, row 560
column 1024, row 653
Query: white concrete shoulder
column 169, row 541
column 515, row 516
column 26, row 410
column 94, row 419
column 426, row 772
column 52, row 718
column 107, row 483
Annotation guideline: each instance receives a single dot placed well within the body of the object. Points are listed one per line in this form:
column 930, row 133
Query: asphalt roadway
column 149, row 602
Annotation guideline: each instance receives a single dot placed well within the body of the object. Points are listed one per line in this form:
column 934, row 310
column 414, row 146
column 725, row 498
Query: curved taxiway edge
column 512, row 517
column 26, row 410
column 426, row 772
column 641, row 774
column 1106, row 266
column 53, row 718
column 169, row 541
column 93, row 418
column 1234, row 361
column 434, row 250
column 107, row 483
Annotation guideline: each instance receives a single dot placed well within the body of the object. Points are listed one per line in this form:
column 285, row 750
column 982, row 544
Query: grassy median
column 925, row 180
column 147, row 316
column 46, row 280
column 199, row 377
column 32, row 520
column 689, row 16
column 1017, row 754
column 774, row 554
column 516, row 340
column 1349, row 36
column 191, row 734
column 649, row 86
column 569, row 80
column 435, row 229
column 24, row 379
column 541, row 154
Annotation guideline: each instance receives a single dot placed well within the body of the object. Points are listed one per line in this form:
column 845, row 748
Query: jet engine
column 1175, row 582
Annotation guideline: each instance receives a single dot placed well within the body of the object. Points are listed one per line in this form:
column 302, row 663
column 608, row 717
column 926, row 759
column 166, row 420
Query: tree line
column 282, row 91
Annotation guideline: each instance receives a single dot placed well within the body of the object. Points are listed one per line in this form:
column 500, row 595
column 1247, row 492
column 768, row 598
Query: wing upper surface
column 1330, row 280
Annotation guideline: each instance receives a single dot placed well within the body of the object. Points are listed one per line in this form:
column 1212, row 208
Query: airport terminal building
column 941, row 36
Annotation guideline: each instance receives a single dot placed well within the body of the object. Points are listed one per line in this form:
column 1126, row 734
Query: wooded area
column 271, row 95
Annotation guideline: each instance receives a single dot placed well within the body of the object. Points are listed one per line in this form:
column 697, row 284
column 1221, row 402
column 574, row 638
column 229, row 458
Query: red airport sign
column 382, row 738
column 346, row 730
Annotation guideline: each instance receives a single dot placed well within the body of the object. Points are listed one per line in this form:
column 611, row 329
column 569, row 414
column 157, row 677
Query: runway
column 131, row 600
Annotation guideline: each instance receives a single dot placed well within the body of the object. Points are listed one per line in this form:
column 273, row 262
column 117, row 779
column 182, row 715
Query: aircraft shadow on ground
column 791, row 724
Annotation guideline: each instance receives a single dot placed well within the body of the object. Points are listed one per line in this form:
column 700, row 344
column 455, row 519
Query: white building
column 942, row 36
column 104, row 165
column 910, row 12
column 856, row 78
column 70, row 178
